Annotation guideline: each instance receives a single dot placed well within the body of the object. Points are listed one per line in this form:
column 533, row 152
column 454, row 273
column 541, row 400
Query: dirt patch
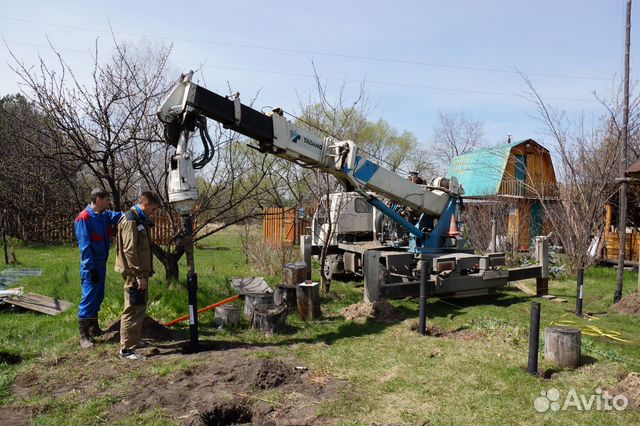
column 377, row 311
column 205, row 390
column 228, row 385
column 457, row 334
column 17, row 416
column 630, row 305
column 629, row 387
column 151, row 330
column 9, row 358
column 461, row 333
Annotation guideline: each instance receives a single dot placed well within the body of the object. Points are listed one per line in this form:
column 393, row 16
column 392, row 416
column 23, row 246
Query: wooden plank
column 523, row 273
column 39, row 303
column 523, row 288
column 289, row 226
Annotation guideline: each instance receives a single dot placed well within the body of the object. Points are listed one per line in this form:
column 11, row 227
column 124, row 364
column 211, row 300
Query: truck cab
column 352, row 220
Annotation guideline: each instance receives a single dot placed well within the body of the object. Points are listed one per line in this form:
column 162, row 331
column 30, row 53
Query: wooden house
column 517, row 175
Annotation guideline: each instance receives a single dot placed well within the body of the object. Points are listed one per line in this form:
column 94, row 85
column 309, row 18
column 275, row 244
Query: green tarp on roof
column 480, row 171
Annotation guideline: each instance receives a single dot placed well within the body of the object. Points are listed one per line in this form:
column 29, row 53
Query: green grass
column 394, row 375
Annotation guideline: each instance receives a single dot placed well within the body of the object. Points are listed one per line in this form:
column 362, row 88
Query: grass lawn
column 475, row 377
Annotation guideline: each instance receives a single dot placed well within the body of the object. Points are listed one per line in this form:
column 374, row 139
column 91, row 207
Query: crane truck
column 390, row 269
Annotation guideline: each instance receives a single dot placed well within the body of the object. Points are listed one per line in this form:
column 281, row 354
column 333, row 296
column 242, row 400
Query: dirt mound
column 629, row 387
column 271, row 374
column 151, row 330
column 262, row 374
column 9, row 358
column 629, row 305
column 377, row 311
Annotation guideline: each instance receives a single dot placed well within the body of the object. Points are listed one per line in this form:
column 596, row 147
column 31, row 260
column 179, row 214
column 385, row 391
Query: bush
column 265, row 258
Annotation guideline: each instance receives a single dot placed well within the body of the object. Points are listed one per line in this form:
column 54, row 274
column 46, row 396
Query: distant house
column 517, row 174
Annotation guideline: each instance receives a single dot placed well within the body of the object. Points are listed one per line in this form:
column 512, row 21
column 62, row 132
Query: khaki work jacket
column 133, row 246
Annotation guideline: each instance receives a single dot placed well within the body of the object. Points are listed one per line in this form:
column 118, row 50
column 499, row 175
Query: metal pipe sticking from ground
column 192, row 281
column 534, row 338
column 422, row 320
column 579, row 292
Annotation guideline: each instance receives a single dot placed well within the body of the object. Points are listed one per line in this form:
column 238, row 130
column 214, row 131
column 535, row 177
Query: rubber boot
column 85, row 337
column 94, row 328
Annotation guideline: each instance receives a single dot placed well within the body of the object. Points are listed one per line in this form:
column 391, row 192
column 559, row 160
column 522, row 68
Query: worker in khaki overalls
column 134, row 261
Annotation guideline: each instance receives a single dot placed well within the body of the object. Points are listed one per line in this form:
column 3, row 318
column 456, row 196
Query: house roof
column 480, row 171
column 633, row 169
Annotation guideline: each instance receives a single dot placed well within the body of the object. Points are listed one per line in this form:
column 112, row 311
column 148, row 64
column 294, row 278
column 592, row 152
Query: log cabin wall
column 611, row 244
column 539, row 170
column 540, row 180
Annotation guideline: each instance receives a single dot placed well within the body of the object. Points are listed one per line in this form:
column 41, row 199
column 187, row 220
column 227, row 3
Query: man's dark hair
column 149, row 197
column 99, row 193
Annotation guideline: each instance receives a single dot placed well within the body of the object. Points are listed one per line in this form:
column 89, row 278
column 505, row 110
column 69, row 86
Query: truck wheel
column 327, row 269
column 333, row 267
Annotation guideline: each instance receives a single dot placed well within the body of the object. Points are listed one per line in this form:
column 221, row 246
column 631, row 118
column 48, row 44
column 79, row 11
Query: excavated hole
column 9, row 358
column 227, row 413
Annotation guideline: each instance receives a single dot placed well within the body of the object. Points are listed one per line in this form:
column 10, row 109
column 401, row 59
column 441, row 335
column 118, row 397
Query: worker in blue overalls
column 94, row 229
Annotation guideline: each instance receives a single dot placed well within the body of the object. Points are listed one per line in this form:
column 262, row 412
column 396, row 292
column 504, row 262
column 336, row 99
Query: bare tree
column 586, row 159
column 34, row 189
column 454, row 135
column 100, row 126
column 341, row 119
column 231, row 190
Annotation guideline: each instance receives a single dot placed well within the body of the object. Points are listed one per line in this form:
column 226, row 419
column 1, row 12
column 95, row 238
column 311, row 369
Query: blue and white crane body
column 388, row 271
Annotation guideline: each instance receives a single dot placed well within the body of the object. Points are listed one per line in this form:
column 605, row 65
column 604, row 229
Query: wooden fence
column 36, row 229
column 162, row 232
column 60, row 230
column 282, row 225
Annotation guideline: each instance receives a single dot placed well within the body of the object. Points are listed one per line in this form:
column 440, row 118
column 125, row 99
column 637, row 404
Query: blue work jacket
column 94, row 232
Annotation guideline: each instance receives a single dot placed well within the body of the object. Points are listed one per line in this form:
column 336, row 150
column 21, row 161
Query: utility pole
column 623, row 162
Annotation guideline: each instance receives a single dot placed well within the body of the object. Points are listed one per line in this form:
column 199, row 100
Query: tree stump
column 269, row 318
column 562, row 346
column 227, row 316
column 294, row 273
column 285, row 295
column 308, row 301
column 253, row 299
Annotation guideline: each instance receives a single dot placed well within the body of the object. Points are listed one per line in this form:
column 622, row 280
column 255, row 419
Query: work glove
column 94, row 275
column 143, row 283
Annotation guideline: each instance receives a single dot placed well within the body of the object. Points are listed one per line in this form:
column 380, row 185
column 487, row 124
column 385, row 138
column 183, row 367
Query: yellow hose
column 590, row 330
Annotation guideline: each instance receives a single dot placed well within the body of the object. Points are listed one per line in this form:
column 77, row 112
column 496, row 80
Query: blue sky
column 418, row 57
